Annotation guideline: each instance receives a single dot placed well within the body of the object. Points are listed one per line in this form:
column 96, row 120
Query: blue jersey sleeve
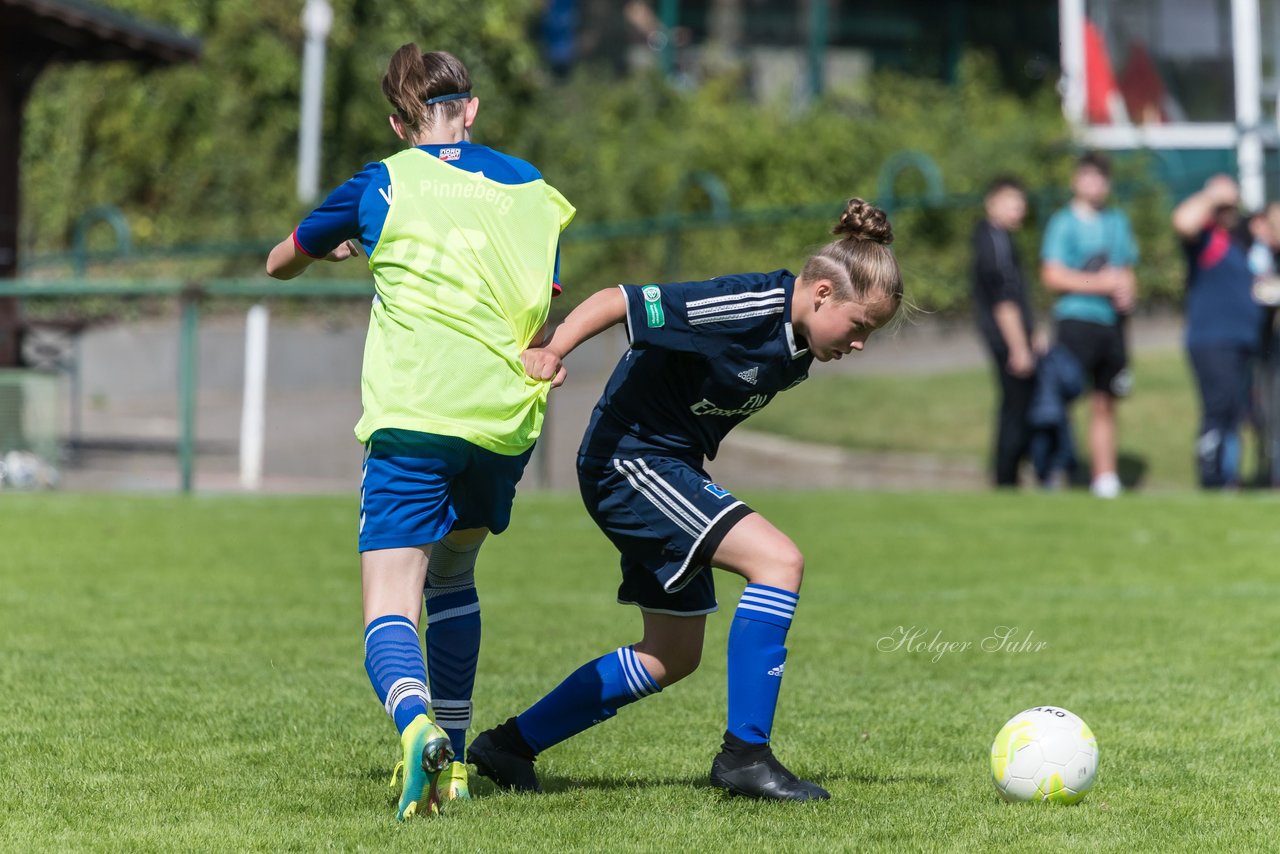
column 340, row 216
column 556, row 287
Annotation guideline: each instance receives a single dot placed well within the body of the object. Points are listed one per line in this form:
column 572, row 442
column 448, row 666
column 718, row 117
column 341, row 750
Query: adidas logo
column 750, row 375
column 777, row 671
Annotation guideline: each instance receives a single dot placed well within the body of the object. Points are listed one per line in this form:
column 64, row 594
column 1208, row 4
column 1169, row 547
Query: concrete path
column 129, row 406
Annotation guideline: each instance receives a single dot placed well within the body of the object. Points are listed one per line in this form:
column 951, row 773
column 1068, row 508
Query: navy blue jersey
column 703, row 357
column 358, row 208
column 1220, row 306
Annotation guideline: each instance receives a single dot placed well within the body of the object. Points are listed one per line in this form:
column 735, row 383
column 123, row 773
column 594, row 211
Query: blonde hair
column 860, row 265
column 413, row 77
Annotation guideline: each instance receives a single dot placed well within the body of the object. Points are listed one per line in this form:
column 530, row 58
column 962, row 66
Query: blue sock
column 393, row 660
column 453, row 650
column 590, row 695
column 756, row 658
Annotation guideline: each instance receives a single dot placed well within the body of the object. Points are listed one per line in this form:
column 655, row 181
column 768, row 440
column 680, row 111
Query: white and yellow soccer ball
column 1044, row 754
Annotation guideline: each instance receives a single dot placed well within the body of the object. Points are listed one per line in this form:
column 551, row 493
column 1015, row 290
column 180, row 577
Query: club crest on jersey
column 653, row 307
column 717, row 490
column 450, row 153
column 749, row 375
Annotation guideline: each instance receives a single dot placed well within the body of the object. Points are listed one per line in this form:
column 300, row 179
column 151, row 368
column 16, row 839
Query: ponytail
column 413, row 78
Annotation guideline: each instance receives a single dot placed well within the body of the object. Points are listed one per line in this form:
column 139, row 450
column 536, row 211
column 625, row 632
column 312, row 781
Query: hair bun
column 862, row 220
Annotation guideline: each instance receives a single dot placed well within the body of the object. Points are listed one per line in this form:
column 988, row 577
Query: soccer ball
column 1044, row 754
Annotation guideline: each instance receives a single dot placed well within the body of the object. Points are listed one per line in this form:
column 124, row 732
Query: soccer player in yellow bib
column 463, row 242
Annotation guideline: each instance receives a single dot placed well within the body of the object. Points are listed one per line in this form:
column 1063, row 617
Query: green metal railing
column 191, row 296
column 670, row 225
column 886, row 194
column 819, row 15
column 192, row 293
column 109, row 214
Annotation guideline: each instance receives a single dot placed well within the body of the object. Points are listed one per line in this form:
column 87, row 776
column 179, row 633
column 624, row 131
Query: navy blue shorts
column 417, row 487
column 667, row 518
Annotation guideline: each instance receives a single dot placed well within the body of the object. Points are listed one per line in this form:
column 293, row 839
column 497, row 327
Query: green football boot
column 453, row 783
column 427, row 752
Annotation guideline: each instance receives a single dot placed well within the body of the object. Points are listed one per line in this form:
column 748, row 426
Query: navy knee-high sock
column 453, row 636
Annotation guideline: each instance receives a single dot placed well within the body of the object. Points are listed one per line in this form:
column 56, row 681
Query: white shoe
column 1106, row 485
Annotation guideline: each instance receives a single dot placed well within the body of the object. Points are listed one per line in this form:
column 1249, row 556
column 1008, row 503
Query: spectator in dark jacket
column 1223, row 328
column 1059, row 380
column 1004, row 321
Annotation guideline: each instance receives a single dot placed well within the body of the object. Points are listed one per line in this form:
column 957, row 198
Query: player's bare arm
column 287, row 261
column 592, row 316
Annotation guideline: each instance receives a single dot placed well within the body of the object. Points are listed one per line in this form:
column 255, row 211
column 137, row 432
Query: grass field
column 186, row 675
column 952, row 414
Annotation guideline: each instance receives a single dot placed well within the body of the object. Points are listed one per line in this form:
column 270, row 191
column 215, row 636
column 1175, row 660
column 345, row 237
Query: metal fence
column 31, row 410
column 193, row 294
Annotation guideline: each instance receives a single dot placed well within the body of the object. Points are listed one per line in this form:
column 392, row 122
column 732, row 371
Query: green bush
column 207, row 152
column 625, row 151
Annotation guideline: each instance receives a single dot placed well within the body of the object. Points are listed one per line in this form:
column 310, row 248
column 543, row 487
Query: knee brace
column 450, row 569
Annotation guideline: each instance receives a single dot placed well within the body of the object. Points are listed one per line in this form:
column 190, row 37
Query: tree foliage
column 208, row 151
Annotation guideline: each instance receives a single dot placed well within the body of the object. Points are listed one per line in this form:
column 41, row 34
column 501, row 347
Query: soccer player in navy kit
column 704, row 356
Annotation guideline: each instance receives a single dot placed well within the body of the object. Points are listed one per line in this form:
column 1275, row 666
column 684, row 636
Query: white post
column 1071, row 36
column 317, row 19
column 1246, row 23
column 1274, row 81
column 253, row 418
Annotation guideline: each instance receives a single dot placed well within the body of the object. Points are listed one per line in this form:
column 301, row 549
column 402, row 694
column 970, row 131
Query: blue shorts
column 417, row 487
column 667, row 518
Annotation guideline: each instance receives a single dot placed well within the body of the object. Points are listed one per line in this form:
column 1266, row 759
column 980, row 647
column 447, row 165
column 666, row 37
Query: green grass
column 953, row 415
column 186, row 675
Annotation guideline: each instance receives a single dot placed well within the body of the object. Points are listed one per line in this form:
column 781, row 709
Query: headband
column 440, row 99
